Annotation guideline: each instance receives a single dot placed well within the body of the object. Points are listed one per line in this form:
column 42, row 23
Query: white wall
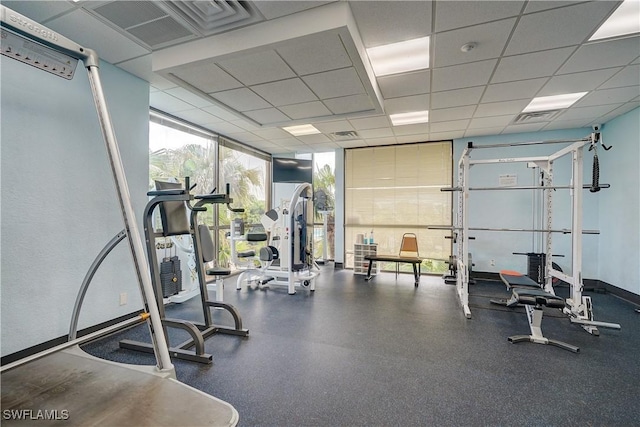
column 619, row 261
column 58, row 199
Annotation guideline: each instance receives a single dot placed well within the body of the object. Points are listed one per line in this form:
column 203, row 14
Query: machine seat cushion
column 218, row 271
column 513, row 279
column 256, row 237
column 538, row 296
column 246, row 254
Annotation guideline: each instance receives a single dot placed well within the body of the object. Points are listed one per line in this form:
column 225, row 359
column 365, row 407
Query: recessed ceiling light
column 555, row 102
column 625, row 20
column 400, row 57
column 409, row 118
column 301, row 130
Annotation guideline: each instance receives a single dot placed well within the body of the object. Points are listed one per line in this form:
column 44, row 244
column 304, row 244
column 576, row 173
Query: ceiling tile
column 629, row 76
column 352, row 144
column 611, row 53
column 225, row 128
column 448, row 126
column 349, row 104
column 491, row 122
column 378, row 20
column 285, row 92
column 285, row 142
column 256, row 68
column 407, row 104
column 513, row 90
column 246, row 137
column 418, row 128
column 39, row 11
column 189, row 97
column 461, row 76
column 198, row 117
column 207, row 77
column 306, row 110
column 334, row 126
column 529, row 127
column 275, row 9
column 448, row 114
column 337, row 83
column 411, row 139
column 578, row 82
column 314, row 139
column 459, row 14
column 455, row 98
column 567, row 124
column 88, row 31
column 220, row 112
column 267, row 115
column 167, row 103
column 241, row 99
column 490, row 40
column 272, row 134
column 443, row 136
column 608, row 96
column 566, row 26
column 370, row 122
column 325, row 147
column 483, row 131
column 376, row 133
column 316, row 54
column 531, row 65
column 161, row 83
column 587, row 112
column 397, row 85
column 538, row 5
column 245, row 125
column 381, row 141
column 501, row 108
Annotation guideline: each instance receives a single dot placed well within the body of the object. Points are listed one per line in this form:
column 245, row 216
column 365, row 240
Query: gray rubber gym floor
column 385, row 353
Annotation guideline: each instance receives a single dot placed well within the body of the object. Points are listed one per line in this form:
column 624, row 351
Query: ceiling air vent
column 536, row 116
column 344, row 135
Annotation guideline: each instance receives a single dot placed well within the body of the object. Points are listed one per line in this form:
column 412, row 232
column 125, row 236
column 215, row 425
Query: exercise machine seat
column 218, row 271
column 247, row 254
column 538, row 297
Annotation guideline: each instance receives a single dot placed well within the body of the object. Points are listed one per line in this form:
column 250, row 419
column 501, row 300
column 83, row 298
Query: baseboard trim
column 590, row 285
column 10, row 358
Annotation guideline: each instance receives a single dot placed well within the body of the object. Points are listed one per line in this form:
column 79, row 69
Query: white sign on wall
column 508, row 180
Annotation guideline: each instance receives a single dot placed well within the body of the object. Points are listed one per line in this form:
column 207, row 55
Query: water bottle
column 371, row 238
column 366, row 239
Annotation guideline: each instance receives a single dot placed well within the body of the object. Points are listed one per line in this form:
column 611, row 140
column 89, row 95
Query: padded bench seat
column 538, row 297
column 415, row 261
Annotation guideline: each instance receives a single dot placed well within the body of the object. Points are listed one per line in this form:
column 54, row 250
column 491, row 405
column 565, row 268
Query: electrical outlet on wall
column 492, row 263
column 123, row 298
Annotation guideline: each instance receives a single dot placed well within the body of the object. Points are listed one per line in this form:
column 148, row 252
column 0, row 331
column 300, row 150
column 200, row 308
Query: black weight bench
column 414, row 261
column 527, row 292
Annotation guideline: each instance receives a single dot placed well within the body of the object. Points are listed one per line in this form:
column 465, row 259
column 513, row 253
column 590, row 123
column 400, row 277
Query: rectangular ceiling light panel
column 411, row 118
column 555, row 102
column 400, row 57
column 301, row 130
column 625, row 20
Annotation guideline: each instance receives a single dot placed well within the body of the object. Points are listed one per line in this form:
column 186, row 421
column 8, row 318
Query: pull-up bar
column 520, row 144
column 528, row 230
column 532, row 187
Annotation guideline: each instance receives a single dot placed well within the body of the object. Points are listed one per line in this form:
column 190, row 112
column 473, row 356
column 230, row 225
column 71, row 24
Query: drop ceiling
column 246, row 69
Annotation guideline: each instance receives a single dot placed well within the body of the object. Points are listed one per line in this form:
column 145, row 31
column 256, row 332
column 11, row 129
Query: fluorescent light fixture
column 409, row 118
column 400, row 57
column 301, row 130
column 555, row 102
column 625, row 20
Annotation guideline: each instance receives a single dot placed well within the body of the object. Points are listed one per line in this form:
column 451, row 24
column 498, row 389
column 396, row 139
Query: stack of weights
column 170, row 276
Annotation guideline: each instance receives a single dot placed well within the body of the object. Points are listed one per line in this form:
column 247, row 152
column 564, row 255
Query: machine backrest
column 409, row 245
column 174, row 217
column 206, row 244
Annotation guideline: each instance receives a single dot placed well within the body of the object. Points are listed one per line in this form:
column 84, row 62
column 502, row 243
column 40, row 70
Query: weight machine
column 291, row 235
column 578, row 306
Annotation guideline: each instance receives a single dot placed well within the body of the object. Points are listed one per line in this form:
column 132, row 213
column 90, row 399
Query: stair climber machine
column 288, row 259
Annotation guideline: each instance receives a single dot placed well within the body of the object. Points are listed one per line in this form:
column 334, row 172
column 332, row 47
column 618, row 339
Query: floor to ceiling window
column 324, row 188
column 393, row 190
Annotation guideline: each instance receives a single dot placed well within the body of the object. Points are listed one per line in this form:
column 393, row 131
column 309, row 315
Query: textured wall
column 58, row 202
